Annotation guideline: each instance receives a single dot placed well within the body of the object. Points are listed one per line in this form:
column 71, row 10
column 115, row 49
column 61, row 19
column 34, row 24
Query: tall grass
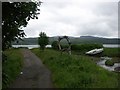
column 82, row 48
column 87, row 47
column 12, row 66
column 111, row 52
column 76, row 71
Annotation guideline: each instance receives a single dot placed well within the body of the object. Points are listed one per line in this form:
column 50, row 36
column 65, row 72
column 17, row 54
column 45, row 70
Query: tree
column 43, row 40
column 15, row 16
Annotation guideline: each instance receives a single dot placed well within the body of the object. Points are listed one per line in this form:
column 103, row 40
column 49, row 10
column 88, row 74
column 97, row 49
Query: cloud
column 75, row 18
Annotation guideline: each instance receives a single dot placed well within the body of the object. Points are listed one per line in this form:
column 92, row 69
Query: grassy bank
column 111, row 52
column 108, row 52
column 76, row 71
column 85, row 47
column 12, row 66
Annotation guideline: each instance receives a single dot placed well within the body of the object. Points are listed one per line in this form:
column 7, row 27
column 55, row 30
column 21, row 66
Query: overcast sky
column 76, row 18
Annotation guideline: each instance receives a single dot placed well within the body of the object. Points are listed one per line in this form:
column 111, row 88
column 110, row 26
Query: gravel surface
column 34, row 74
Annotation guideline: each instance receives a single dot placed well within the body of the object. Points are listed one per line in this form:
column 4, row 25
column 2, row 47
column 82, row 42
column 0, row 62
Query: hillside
column 74, row 40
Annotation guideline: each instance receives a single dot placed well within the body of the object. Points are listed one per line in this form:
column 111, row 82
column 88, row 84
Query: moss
column 109, row 63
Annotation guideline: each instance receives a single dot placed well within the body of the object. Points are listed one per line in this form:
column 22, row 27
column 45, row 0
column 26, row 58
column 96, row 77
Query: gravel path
column 35, row 74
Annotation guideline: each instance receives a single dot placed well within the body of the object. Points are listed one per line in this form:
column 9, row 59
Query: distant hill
column 74, row 40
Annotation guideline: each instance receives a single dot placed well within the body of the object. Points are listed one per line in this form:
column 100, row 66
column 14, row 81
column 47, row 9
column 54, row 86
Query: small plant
column 109, row 63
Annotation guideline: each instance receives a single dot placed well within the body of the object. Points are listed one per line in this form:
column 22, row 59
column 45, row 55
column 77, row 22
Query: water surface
column 36, row 46
column 29, row 46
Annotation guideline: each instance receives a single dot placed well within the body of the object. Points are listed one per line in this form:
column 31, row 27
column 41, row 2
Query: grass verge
column 12, row 66
column 76, row 71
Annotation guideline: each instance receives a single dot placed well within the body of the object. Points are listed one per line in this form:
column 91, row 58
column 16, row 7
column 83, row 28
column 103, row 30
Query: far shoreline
column 49, row 46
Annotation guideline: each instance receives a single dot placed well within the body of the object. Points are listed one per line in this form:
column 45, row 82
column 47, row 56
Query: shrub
column 55, row 45
column 109, row 63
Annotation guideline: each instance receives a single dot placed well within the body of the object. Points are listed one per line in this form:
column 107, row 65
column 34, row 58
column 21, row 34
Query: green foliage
column 4, row 74
column 55, row 45
column 78, row 47
column 82, row 47
column 11, row 67
column 15, row 16
column 109, row 63
column 76, row 71
column 43, row 40
column 111, row 52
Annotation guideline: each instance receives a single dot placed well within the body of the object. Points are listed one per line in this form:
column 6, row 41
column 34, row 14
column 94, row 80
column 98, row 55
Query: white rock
column 21, row 72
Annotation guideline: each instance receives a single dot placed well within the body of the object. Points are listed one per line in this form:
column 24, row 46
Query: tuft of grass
column 109, row 63
column 12, row 66
column 73, row 71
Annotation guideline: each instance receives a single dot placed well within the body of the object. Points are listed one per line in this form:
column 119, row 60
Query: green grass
column 13, row 65
column 108, row 52
column 76, row 71
column 109, row 63
column 86, row 47
column 111, row 52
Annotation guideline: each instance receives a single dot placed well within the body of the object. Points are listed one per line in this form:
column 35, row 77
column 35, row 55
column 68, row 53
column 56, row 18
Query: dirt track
column 35, row 74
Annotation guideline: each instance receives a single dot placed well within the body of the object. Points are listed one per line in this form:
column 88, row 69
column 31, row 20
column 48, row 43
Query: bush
column 87, row 47
column 109, row 63
column 55, row 45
